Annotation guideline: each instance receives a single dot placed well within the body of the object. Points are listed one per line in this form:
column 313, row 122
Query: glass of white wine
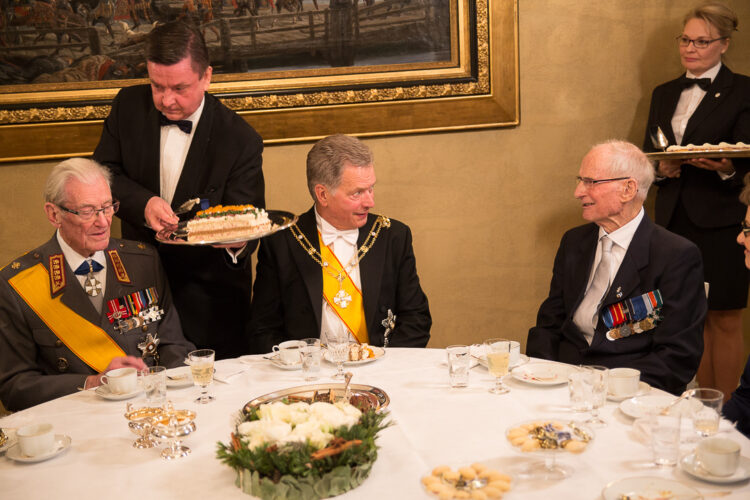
column 202, row 368
column 498, row 360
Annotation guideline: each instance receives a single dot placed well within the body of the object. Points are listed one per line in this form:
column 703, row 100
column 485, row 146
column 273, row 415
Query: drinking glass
column 202, row 368
column 311, row 354
column 665, row 438
column 337, row 339
column 459, row 359
column 579, row 389
column 498, row 360
column 155, row 385
column 707, row 412
column 598, row 394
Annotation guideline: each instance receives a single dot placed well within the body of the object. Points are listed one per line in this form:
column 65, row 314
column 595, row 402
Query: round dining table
column 432, row 424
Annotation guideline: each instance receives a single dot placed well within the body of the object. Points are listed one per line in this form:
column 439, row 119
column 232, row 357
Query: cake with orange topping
column 230, row 222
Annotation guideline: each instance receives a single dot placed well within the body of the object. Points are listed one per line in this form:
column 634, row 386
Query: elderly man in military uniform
column 82, row 303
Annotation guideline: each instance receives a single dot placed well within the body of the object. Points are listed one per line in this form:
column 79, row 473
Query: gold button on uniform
column 58, row 343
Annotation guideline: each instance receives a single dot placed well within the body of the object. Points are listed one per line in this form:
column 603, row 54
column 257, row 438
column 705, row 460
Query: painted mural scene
column 57, row 41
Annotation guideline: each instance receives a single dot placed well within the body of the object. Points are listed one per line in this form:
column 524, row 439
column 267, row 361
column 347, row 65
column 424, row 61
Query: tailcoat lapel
column 311, row 272
column 666, row 111
column 150, row 151
column 582, row 266
column 371, row 271
column 714, row 96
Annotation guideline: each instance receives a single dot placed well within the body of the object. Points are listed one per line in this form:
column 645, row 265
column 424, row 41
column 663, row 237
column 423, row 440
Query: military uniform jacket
column 36, row 366
column 288, row 292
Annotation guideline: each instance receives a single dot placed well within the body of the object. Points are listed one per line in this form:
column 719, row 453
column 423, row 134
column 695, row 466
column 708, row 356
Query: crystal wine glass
column 498, row 360
column 202, row 368
column 337, row 340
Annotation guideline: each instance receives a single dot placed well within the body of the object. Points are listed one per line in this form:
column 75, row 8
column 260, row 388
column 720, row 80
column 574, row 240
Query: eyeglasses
column 88, row 213
column 745, row 228
column 700, row 43
column 589, row 182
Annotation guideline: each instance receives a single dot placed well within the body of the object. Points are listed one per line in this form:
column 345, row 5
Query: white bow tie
column 350, row 236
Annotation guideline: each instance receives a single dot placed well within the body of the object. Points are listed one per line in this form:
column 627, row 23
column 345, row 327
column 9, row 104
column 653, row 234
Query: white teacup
column 718, row 456
column 623, row 382
column 121, row 380
column 36, row 440
column 290, row 351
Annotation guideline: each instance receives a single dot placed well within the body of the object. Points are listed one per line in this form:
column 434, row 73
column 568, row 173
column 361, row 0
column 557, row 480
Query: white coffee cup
column 121, row 380
column 36, row 440
column 623, row 382
column 718, row 456
column 289, row 351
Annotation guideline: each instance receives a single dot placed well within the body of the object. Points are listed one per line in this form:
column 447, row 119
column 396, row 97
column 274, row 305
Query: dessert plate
column 104, row 392
column 378, row 352
column 550, row 373
column 643, row 389
column 177, row 235
column 651, row 404
column 179, row 377
column 62, row 443
column 522, row 360
column 648, row 488
column 275, row 360
column 689, row 464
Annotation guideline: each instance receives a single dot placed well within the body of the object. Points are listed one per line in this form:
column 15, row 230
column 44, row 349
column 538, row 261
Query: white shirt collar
column 622, row 236
column 711, row 73
column 329, row 233
column 74, row 259
column 196, row 115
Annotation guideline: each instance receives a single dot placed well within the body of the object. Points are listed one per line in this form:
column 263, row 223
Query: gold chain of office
column 372, row 236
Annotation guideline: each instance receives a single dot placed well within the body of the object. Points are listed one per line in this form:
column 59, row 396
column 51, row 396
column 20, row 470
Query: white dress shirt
column 174, row 146
column 344, row 246
column 74, row 259
column 621, row 238
column 690, row 98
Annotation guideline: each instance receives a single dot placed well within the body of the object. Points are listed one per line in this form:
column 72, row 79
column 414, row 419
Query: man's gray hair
column 326, row 159
column 82, row 169
column 625, row 159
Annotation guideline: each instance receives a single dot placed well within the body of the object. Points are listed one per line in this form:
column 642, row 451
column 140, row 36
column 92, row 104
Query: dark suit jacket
column 223, row 165
column 722, row 115
column 667, row 355
column 288, row 291
column 737, row 408
column 35, row 366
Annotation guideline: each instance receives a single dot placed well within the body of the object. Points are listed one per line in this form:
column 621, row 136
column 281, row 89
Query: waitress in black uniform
column 698, row 198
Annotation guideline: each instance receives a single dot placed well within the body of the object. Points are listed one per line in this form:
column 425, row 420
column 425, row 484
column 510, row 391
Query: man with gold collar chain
column 82, row 303
column 340, row 264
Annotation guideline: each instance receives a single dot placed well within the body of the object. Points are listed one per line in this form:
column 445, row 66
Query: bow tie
column 84, row 268
column 350, row 236
column 703, row 83
column 184, row 125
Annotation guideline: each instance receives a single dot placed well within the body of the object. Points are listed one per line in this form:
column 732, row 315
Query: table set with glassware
column 548, row 429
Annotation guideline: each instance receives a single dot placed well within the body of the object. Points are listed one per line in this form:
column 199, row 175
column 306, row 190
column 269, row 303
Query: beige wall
column 487, row 208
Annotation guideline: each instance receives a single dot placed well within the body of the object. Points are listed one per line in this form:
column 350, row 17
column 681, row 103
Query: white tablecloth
column 434, row 425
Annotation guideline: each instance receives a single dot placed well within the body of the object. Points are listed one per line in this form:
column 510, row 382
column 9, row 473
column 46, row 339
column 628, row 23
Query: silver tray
column 374, row 396
column 177, row 235
column 689, row 155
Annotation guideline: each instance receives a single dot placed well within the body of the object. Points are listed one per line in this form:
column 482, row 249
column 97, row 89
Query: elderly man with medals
column 340, row 264
column 82, row 303
column 625, row 292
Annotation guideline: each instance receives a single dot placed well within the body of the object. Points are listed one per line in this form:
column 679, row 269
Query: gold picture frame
column 478, row 88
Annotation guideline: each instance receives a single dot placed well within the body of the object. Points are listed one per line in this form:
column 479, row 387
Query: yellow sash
column 87, row 341
column 353, row 315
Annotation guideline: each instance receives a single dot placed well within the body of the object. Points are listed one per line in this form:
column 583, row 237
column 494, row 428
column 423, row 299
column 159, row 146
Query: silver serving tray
column 177, row 235
column 376, row 397
column 697, row 153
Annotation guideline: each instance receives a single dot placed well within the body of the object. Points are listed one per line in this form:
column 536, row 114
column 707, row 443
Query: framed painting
column 297, row 70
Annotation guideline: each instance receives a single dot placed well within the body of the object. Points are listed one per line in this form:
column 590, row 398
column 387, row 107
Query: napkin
column 224, row 373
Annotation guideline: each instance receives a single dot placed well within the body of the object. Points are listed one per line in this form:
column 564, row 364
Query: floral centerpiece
column 298, row 450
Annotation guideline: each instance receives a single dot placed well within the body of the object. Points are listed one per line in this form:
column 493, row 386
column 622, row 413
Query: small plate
column 62, row 443
column 11, row 435
column 378, row 352
column 522, row 360
column 643, row 389
column 648, row 488
column 179, row 377
column 275, row 360
column 103, row 392
column 549, row 373
column 689, row 464
column 650, row 404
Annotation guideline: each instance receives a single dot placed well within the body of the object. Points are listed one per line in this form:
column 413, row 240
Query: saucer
column 543, row 373
column 651, row 404
column 648, row 487
column 103, row 392
column 643, row 388
column 275, row 360
column 179, row 377
column 62, row 443
column 689, row 464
